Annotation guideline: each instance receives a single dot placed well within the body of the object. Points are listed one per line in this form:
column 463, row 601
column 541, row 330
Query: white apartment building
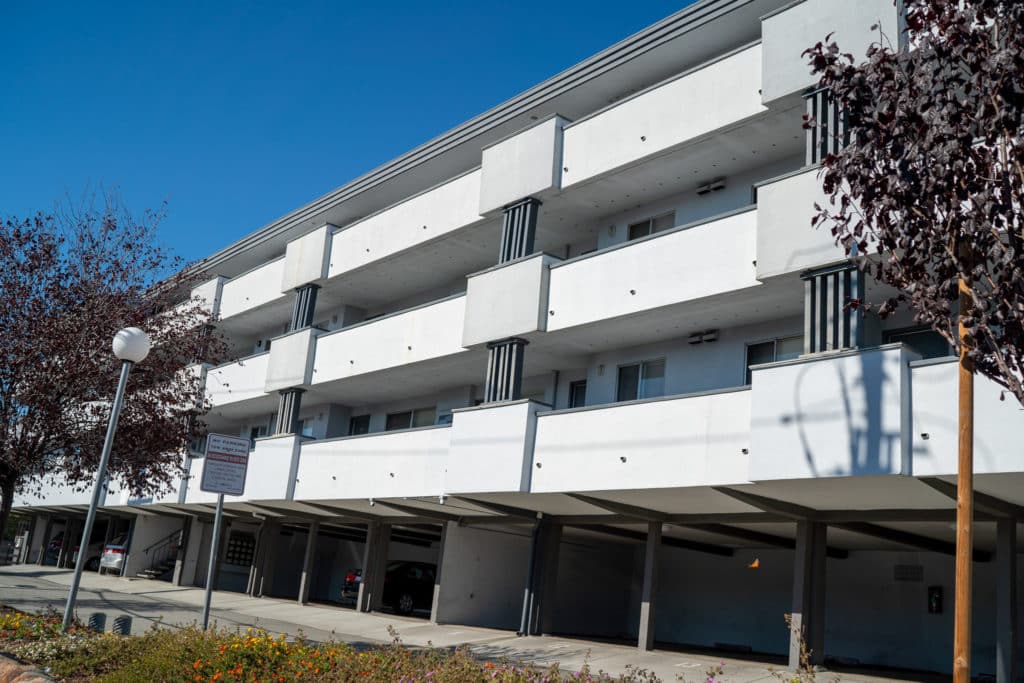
column 585, row 356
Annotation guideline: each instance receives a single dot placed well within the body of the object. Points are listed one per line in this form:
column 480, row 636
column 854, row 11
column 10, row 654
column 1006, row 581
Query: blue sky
column 236, row 113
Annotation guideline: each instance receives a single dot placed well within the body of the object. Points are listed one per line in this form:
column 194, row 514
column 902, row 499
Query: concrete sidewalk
column 34, row 588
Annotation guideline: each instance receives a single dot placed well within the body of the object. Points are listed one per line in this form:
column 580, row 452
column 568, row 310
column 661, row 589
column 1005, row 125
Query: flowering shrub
column 191, row 654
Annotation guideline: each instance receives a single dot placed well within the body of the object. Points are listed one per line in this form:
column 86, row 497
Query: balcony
column 491, row 447
column 419, row 334
column 270, row 471
column 715, row 256
column 382, row 465
column 832, row 415
column 239, row 381
column 689, row 440
column 998, row 427
column 527, row 164
column 786, row 240
column 427, row 216
column 789, row 31
column 518, row 289
column 256, row 288
column 700, row 101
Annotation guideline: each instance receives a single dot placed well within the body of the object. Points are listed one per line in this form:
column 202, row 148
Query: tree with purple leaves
column 927, row 189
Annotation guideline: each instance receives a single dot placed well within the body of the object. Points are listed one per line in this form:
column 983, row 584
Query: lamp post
column 131, row 346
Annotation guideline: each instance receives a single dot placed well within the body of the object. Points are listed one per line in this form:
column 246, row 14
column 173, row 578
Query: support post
column 211, row 570
column 45, row 541
column 652, row 552
column 179, row 560
column 808, row 615
column 964, row 499
column 545, row 578
column 1006, row 601
column 435, row 601
column 375, row 560
column 307, row 563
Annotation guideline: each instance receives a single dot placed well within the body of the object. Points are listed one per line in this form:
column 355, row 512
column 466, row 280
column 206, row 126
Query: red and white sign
column 227, row 460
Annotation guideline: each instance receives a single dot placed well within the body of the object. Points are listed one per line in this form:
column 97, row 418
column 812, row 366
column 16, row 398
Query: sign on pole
column 224, row 469
column 227, row 460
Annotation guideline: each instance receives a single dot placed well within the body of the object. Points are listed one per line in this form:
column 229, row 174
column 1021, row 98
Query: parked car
column 113, row 555
column 92, row 555
column 409, row 586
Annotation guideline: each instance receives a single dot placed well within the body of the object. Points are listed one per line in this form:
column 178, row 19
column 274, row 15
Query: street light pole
column 131, row 345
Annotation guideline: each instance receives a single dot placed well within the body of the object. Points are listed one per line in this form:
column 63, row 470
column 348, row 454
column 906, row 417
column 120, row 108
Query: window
column 445, row 418
column 359, row 424
column 649, row 226
column 306, row 427
column 257, row 432
column 578, row 394
column 407, row 419
column 641, row 380
column 782, row 348
column 923, row 340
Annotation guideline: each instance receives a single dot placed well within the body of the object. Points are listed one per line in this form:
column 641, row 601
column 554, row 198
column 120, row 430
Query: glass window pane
column 424, row 417
column 928, row 343
column 641, row 229
column 653, row 383
column 789, row 348
column 759, row 353
column 629, row 382
column 664, row 221
column 398, row 421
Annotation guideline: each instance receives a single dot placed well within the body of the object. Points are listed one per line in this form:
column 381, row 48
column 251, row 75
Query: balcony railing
column 689, row 262
column 385, row 464
column 689, row 440
column 239, row 381
column 253, row 289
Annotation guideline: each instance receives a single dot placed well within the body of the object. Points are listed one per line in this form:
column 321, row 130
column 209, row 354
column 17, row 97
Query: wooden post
column 964, row 503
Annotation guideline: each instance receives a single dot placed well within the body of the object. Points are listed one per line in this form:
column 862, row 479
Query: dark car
column 409, row 586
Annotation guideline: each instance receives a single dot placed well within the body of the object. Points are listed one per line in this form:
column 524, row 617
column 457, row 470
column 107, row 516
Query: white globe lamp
column 131, row 344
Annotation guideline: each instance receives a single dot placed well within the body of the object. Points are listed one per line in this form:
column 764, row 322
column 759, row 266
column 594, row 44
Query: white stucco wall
column 491, row 448
column 695, row 441
column 708, row 98
column 507, row 301
column 483, row 576
column 252, row 289
column 667, row 268
column 239, row 381
column 832, row 415
column 388, row 464
column 291, row 360
column 788, row 33
column 305, row 258
column 524, row 165
column 431, row 331
column 998, row 425
column 427, row 216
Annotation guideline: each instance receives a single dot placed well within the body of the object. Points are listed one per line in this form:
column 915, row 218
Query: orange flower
column 196, row 664
column 488, row 665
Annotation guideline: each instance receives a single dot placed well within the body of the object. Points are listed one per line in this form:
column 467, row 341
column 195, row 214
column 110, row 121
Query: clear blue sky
column 238, row 112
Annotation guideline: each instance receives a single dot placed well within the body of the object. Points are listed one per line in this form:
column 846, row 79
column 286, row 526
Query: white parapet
column 703, row 100
column 492, row 447
column 527, row 164
column 239, row 381
column 508, row 300
column 690, row 440
column 839, row 414
column 255, row 288
column 668, row 268
column 409, row 462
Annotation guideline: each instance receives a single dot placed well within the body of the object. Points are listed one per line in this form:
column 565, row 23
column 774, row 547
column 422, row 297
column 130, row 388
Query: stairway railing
column 164, row 550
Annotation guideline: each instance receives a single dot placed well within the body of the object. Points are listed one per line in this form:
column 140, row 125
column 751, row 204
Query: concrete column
column 45, row 540
column 179, row 560
column 265, row 580
column 808, row 593
column 65, row 546
column 436, row 600
column 257, row 560
column 543, row 584
column 652, row 554
column 1006, row 601
column 307, row 563
column 375, row 562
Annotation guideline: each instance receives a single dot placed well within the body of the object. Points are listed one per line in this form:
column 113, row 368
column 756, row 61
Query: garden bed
column 191, row 654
